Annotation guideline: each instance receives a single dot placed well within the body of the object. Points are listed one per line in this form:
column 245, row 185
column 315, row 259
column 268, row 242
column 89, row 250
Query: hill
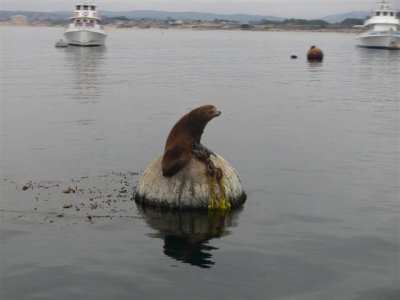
column 337, row 18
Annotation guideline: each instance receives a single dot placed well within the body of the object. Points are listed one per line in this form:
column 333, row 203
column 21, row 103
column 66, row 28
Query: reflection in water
column 314, row 64
column 372, row 57
column 186, row 234
column 85, row 63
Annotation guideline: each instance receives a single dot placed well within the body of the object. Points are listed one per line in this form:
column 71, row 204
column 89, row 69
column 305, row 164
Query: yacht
column 85, row 29
column 382, row 29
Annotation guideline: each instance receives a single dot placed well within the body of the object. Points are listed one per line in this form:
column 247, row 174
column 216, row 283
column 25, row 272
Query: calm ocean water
column 316, row 147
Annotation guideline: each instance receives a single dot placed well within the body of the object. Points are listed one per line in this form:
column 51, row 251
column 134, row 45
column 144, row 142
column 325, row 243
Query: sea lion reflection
column 196, row 253
column 186, row 234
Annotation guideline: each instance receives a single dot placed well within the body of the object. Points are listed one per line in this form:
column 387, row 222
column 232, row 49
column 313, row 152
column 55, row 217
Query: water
column 316, row 147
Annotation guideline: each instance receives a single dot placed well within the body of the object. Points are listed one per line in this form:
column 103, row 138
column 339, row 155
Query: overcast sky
column 280, row 8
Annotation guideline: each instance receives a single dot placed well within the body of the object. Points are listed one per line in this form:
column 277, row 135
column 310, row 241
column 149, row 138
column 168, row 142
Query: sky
column 279, row 8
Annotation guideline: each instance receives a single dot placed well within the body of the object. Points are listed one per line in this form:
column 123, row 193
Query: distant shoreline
column 196, row 28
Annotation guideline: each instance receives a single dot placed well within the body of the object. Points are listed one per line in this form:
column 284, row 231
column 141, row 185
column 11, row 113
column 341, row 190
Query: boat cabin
column 85, row 6
column 382, row 19
column 384, row 10
column 86, row 12
column 384, row 13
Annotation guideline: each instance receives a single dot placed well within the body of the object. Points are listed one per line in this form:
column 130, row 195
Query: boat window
column 392, row 14
column 92, row 8
column 385, row 13
column 78, row 7
column 85, row 7
column 378, row 13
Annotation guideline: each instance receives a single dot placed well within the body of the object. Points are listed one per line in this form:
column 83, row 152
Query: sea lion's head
column 205, row 113
column 199, row 117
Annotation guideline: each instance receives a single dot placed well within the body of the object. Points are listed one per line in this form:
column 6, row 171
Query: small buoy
column 293, row 56
column 315, row 54
column 61, row 43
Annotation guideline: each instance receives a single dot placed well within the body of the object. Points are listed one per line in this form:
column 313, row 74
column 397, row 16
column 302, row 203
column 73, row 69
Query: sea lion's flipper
column 174, row 160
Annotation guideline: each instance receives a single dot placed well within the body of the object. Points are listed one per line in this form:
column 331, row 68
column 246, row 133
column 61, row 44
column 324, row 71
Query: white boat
column 382, row 29
column 84, row 29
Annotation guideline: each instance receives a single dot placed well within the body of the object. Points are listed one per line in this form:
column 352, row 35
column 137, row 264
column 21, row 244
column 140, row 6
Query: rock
column 191, row 188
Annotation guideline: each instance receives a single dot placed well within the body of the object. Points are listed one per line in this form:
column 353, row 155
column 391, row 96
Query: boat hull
column 83, row 37
column 380, row 40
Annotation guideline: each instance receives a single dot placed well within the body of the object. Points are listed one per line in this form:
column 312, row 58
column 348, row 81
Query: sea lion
column 183, row 142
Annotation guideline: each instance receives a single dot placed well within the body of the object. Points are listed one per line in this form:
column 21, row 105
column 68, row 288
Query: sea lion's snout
column 213, row 112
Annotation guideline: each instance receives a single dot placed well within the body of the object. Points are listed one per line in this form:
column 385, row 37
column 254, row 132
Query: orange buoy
column 315, row 54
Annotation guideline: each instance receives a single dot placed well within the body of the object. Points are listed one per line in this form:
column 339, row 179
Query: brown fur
column 178, row 148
